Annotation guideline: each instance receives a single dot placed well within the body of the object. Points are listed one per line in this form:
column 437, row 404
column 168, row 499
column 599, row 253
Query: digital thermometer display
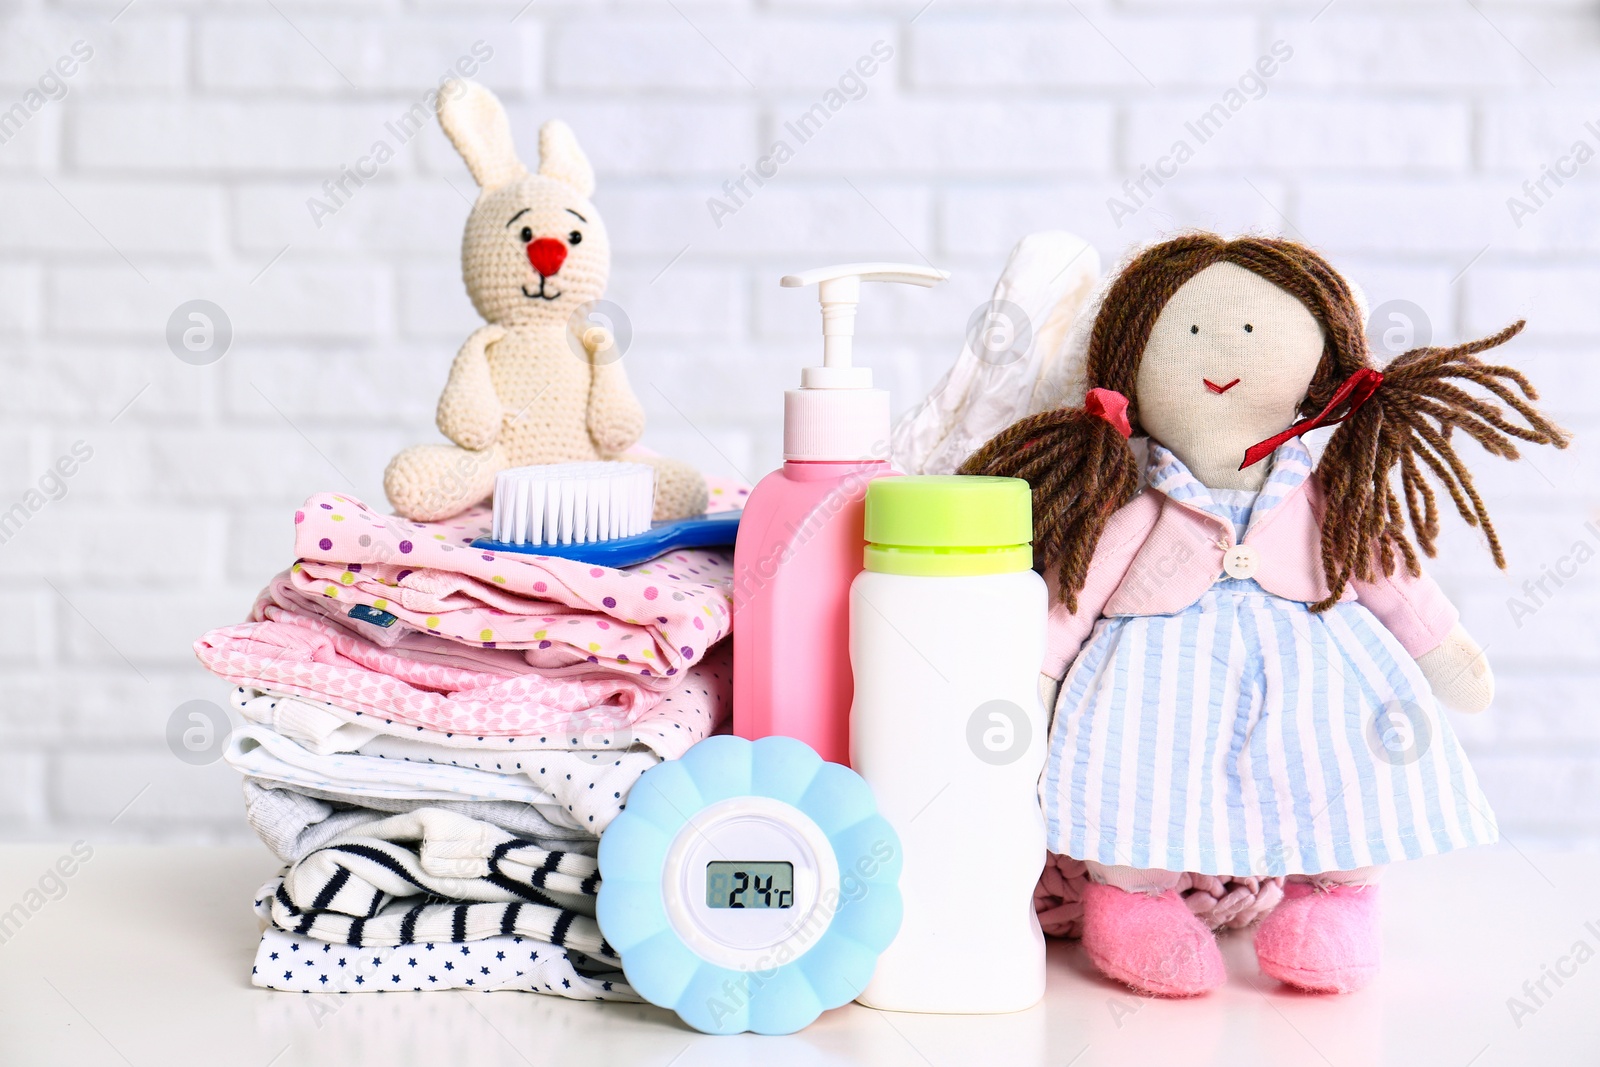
column 741, row 884
column 749, row 885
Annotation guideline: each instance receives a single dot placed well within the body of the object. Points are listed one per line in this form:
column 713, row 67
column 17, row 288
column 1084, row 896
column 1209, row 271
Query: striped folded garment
column 436, row 876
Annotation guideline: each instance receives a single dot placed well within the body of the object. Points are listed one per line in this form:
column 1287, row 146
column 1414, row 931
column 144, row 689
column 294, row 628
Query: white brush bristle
column 573, row 503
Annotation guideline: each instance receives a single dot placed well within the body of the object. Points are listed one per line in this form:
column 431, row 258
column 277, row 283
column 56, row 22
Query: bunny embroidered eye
column 1194, row 329
column 1248, row 328
column 574, row 237
column 527, row 235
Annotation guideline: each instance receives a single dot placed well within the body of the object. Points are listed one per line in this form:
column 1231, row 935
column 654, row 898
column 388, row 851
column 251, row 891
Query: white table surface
column 146, row 958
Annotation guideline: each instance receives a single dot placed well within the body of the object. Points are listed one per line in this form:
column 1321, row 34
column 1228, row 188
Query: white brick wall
column 179, row 164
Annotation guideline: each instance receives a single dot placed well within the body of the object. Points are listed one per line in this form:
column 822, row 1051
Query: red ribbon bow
column 1356, row 390
column 1110, row 405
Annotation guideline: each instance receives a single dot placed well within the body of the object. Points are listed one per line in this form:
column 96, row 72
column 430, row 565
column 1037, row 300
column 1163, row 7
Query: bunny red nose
column 547, row 254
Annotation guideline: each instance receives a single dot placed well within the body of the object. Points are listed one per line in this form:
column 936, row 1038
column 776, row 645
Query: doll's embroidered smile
column 1215, row 388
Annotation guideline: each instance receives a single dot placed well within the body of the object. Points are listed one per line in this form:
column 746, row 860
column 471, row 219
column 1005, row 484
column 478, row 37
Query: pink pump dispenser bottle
column 800, row 542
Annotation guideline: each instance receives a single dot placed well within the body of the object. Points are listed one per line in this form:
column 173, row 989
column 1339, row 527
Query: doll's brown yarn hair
column 1081, row 469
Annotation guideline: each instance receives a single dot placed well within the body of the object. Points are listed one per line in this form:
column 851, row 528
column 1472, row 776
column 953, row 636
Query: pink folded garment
column 407, row 643
column 649, row 621
column 287, row 653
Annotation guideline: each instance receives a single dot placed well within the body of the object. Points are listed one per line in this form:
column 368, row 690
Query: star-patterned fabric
column 303, row 965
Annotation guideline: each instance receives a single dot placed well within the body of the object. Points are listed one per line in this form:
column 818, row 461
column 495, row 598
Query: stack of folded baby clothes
column 436, row 735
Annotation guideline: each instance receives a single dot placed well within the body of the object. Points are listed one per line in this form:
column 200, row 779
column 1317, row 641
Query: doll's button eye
column 1248, row 328
column 574, row 237
column 1194, row 329
column 527, row 235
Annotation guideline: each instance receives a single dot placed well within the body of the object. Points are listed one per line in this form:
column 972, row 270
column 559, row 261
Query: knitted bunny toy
column 1253, row 659
column 527, row 388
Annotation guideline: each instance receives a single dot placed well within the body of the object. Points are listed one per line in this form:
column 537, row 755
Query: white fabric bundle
column 1010, row 365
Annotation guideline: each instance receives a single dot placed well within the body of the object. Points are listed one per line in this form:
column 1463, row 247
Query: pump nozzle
column 839, row 291
column 836, row 414
column 909, row 273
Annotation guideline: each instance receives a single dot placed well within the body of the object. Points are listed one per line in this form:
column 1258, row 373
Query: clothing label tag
column 372, row 615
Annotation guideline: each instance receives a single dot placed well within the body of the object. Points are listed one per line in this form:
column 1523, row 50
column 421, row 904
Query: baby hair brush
column 595, row 513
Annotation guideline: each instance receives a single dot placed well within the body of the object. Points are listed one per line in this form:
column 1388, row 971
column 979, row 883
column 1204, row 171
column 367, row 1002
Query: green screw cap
column 949, row 525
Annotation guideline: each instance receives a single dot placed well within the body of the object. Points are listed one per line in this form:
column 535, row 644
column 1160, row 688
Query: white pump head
column 836, row 414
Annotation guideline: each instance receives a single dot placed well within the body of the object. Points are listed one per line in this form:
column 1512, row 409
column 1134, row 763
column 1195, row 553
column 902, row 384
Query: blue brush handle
column 715, row 530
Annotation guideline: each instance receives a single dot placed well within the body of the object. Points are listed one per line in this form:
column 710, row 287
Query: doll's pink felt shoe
column 1322, row 940
column 1151, row 943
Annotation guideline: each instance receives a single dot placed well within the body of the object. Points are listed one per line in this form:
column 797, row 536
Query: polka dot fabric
column 650, row 621
column 725, row 494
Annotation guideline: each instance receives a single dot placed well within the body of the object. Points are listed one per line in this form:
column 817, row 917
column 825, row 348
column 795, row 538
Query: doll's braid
column 1409, row 423
column 1081, row 470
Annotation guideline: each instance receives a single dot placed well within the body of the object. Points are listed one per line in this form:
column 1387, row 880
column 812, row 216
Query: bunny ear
column 477, row 125
column 561, row 158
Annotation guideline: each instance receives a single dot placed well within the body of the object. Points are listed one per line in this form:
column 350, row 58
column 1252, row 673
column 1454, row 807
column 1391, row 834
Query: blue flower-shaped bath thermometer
column 749, row 885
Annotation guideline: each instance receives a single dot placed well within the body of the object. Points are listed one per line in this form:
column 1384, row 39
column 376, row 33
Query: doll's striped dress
column 1247, row 735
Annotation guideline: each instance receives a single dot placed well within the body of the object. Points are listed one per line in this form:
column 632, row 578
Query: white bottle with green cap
column 947, row 633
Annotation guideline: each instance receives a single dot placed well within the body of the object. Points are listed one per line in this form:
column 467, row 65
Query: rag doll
column 1253, row 659
column 538, row 384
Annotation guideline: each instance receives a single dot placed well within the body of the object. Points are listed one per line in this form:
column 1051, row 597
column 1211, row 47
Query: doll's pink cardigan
column 1157, row 556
